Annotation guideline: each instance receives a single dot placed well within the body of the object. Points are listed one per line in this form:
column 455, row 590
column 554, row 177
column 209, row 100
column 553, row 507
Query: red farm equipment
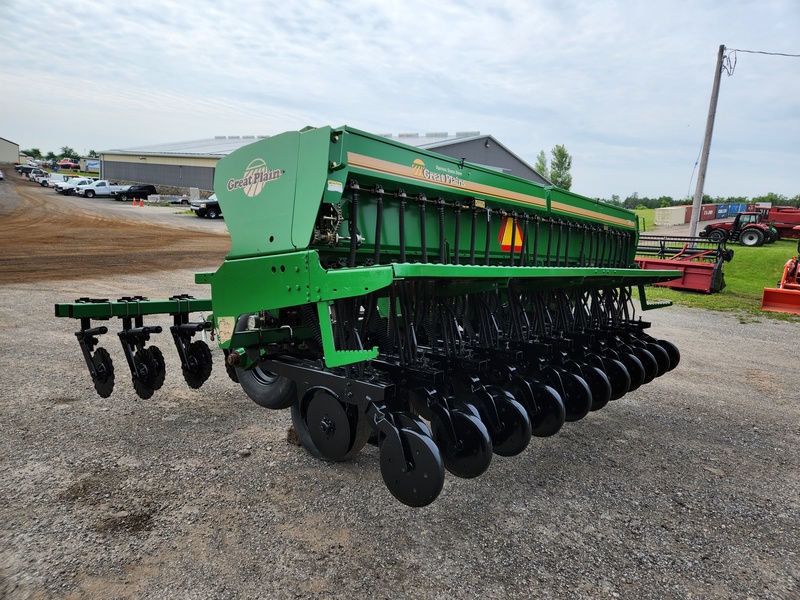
column 748, row 228
column 699, row 260
column 786, row 297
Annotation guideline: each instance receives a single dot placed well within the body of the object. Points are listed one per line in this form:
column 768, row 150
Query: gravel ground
column 685, row 488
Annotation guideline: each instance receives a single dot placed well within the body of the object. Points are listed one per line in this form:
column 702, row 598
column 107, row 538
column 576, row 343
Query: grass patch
column 647, row 219
column 746, row 276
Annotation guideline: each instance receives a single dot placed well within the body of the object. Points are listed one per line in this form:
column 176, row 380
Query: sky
column 625, row 86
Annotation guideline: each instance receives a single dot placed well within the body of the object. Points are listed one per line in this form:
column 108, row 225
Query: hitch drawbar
column 146, row 362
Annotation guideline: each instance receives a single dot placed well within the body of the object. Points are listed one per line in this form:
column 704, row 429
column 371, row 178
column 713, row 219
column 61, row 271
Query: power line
column 729, row 61
column 762, row 52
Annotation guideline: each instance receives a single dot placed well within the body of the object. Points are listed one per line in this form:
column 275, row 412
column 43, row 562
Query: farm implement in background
column 786, row 297
column 700, row 261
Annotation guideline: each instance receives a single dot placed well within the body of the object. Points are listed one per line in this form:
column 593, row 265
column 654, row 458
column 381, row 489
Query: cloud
column 624, row 86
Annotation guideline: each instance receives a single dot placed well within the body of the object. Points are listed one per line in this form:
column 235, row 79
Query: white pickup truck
column 68, row 187
column 51, row 179
column 101, row 187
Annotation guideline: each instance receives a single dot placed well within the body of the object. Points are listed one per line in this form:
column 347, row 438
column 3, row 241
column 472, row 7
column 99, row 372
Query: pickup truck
column 49, row 179
column 207, row 208
column 37, row 172
column 101, row 187
column 68, row 187
column 54, row 180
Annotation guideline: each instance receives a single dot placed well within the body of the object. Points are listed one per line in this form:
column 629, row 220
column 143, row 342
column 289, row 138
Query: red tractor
column 747, row 229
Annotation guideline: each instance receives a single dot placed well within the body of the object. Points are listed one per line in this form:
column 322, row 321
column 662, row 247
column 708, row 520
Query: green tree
column 67, row 152
column 34, row 153
column 93, row 154
column 50, row 155
column 632, row 201
column 541, row 165
column 560, row 165
column 775, row 199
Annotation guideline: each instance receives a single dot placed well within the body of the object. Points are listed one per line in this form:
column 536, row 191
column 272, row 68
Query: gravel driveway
column 686, row 488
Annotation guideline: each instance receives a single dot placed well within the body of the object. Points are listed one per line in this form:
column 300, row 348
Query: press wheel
column 672, row 350
column 514, row 433
column 635, row 369
column 161, row 366
column 104, row 372
column 411, row 467
column 470, row 454
column 409, row 420
column 198, row 369
column 648, row 362
column 401, row 419
column 617, row 374
column 329, row 429
column 577, row 396
column 596, row 380
column 543, row 404
column 661, row 356
column 147, row 371
column 599, row 384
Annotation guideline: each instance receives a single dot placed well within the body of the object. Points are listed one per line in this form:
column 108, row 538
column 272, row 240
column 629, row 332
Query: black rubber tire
column 262, row 387
column 718, row 235
column 751, row 237
column 212, row 213
column 89, row 194
column 267, row 389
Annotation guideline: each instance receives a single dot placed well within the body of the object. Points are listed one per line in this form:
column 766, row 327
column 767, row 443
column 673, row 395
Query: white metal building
column 9, row 152
column 184, row 165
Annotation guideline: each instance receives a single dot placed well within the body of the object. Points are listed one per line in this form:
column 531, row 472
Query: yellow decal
column 225, row 326
column 507, row 233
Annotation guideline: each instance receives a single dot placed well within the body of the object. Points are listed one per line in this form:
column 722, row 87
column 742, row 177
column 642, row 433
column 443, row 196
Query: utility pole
column 701, row 175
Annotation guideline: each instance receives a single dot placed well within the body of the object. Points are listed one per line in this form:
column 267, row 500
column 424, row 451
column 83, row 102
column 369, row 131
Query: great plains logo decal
column 255, row 176
column 446, row 175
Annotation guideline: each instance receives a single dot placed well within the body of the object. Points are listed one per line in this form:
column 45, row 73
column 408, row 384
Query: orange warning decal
column 507, row 232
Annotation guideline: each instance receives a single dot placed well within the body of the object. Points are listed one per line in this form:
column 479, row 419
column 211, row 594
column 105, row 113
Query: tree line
column 634, row 201
column 66, row 152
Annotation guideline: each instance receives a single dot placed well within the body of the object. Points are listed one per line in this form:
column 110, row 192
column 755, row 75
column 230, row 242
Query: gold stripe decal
column 414, row 172
column 583, row 212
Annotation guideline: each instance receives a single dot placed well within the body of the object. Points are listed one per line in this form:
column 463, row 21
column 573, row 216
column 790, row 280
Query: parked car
column 2, row 176
column 207, row 208
column 134, row 191
column 23, row 169
column 68, row 163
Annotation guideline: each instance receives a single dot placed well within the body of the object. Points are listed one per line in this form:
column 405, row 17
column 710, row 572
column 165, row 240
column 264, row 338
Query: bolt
column 233, row 359
column 327, row 426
